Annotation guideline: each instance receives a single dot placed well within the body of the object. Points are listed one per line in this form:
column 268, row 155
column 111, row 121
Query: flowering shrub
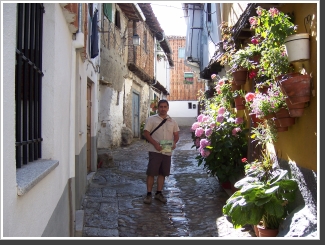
column 221, row 140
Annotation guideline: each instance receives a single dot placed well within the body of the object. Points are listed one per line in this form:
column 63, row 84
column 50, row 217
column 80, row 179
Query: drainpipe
column 218, row 13
column 140, row 11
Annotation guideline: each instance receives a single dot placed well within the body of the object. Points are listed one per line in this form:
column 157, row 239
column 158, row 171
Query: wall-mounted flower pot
column 296, row 87
column 295, row 110
column 255, row 120
column 235, row 87
column 284, row 118
column 297, row 47
column 278, row 126
column 240, row 76
column 240, row 103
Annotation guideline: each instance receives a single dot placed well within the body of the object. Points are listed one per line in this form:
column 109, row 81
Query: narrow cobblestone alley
column 113, row 205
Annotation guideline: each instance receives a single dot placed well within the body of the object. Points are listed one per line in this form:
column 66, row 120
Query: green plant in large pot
column 263, row 195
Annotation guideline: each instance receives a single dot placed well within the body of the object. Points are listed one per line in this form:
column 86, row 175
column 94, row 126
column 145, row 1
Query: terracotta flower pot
column 235, row 87
column 256, row 230
column 255, row 120
column 269, row 116
column 284, row 118
column 240, row 76
column 296, row 87
column 263, row 232
column 278, row 126
column 240, row 102
column 295, row 110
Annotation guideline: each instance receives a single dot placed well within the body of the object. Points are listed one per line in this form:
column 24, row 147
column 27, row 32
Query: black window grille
column 28, row 82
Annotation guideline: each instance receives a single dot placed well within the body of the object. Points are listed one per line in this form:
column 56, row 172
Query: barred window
column 28, row 81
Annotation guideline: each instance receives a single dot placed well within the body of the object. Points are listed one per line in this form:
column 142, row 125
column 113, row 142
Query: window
column 209, row 12
column 108, row 11
column 181, row 53
column 194, row 106
column 28, row 82
column 189, row 105
column 145, row 40
column 117, row 19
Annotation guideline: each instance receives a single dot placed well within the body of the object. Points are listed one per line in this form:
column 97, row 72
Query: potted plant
column 263, row 195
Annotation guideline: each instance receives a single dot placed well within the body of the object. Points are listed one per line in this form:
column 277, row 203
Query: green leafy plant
column 263, row 195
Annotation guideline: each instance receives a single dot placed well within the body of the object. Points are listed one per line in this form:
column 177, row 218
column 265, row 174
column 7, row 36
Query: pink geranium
column 235, row 131
column 208, row 132
column 239, row 120
column 195, row 126
column 205, row 153
column 199, row 131
column 220, row 118
column 221, row 110
column 199, row 118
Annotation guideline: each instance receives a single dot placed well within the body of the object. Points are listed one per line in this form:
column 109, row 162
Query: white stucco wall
column 21, row 214
column 179, row 110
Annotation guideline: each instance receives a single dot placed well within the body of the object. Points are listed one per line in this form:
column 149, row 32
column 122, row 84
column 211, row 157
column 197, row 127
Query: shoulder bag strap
column 162, row 122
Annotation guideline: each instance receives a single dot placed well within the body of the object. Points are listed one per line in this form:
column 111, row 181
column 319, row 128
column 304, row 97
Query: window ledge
column 30, row 174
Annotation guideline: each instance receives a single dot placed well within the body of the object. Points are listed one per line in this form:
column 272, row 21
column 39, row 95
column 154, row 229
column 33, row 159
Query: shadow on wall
column 302, row 221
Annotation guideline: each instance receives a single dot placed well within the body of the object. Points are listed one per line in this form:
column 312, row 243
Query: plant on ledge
column 263, row 195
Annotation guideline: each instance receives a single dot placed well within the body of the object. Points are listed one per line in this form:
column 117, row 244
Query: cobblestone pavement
column 113, row 205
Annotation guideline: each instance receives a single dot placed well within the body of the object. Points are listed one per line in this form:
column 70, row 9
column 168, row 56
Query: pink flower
column 199, row 131
column 235, row 131
column 204, row 143
column 195, row 126
column 205, row 118
column 273, row 11
column 239, row 120
column 220, row 118
column 221, row 110
column 259, row 10
column 212, row 125
column 254, row 41
column 213, row 76
column 249, row 97
column 253, row 21
column 199, row 118
column 244, row 159
column 208, row 132
column 205, row 153
column 221, row 82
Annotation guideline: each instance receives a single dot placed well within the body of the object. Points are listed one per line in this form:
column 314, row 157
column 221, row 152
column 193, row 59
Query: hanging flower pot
column 240, row 102
column 278, row 126
column 235, row 87
column 297, row 47
column 295, row 110
column 255, row 120
column 269, row 116
column 296, row 87
column 240, row 76
column 284, row 118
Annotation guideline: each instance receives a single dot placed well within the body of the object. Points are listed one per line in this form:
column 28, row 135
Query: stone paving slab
column 113, row 205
